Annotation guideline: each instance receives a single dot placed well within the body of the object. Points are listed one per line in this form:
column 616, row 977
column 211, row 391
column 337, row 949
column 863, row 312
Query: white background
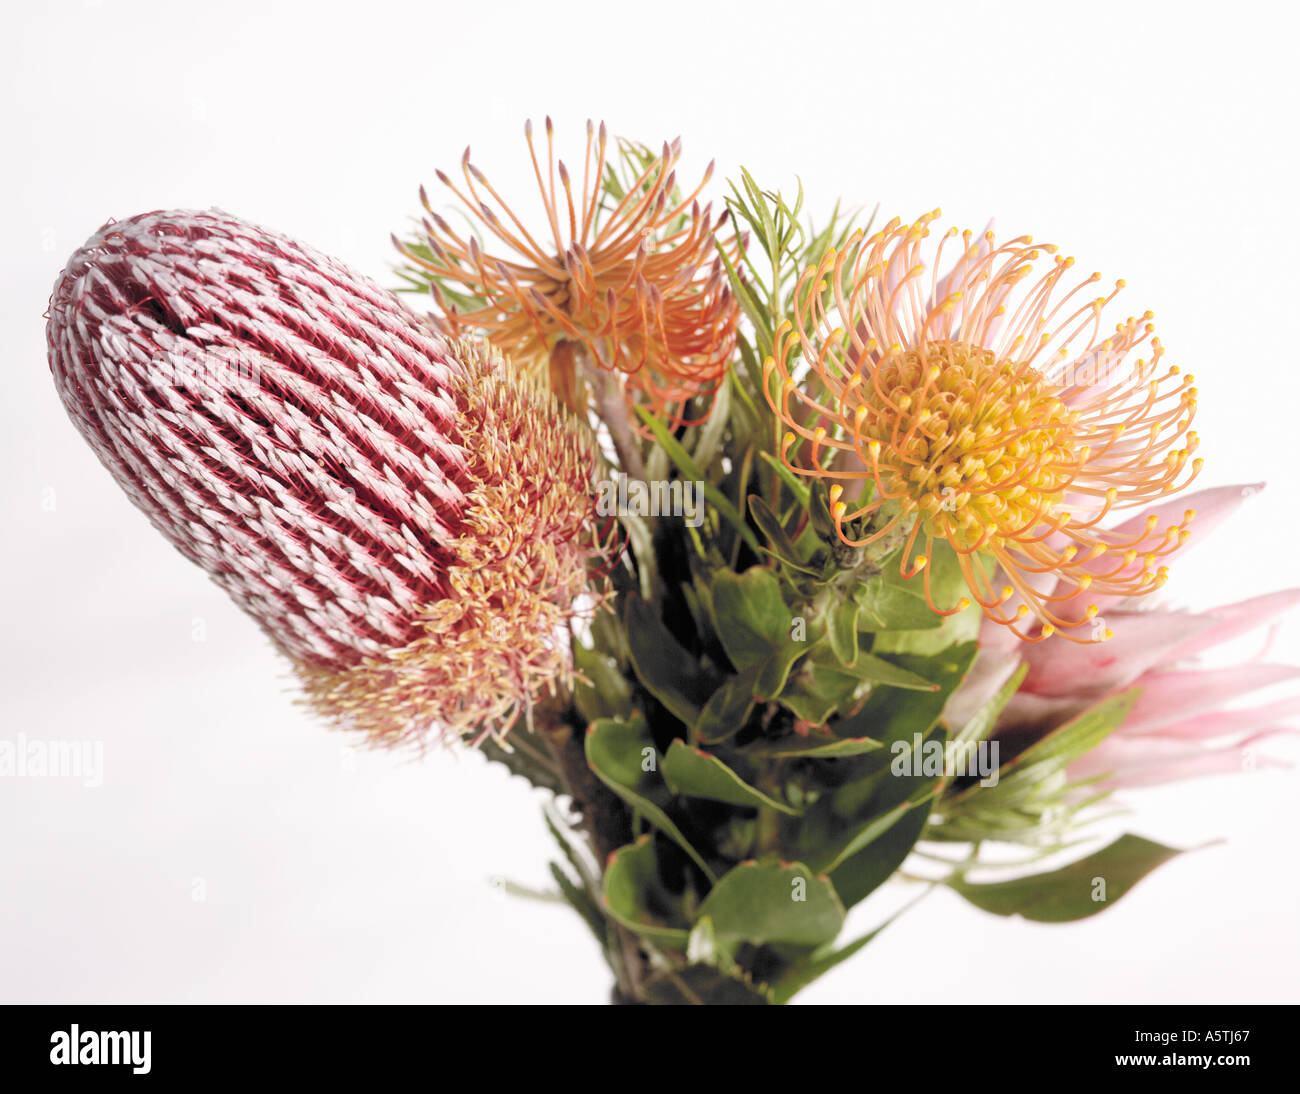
column 1154, row 141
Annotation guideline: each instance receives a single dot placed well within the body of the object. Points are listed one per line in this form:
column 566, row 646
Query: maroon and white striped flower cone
column 407, row 520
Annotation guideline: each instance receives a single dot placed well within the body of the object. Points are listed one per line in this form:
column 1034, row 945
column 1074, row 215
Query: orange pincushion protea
column 987, row 409
column 633, row 284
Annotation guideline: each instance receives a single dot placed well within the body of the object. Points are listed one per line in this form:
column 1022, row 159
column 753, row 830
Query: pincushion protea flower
column 632, row 285
column 988, row 409
column 406, row 519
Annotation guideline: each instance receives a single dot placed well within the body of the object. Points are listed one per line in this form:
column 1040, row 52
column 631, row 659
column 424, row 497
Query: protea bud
column 405, row 518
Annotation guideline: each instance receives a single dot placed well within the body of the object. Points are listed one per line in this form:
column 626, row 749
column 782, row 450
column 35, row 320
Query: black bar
column 1049, row 1046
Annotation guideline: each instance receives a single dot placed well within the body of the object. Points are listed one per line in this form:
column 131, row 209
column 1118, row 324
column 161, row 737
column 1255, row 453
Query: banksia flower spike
column 624, row 276
column 988, row 408
column 406, row 519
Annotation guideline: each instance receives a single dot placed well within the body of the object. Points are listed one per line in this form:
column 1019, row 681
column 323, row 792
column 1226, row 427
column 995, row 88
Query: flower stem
column 611, row 408
column 767, row 835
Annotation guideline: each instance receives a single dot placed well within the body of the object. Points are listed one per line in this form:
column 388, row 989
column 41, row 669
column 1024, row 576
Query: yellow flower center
column 981, row 449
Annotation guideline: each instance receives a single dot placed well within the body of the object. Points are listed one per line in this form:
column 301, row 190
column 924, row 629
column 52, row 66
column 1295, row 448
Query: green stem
column 768, row 828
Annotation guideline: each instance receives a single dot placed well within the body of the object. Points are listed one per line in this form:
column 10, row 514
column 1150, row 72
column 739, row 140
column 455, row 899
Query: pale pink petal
column 1234, row 620
column 1224, row 723
column 1149, row 761
column 1173, row 696
column 1212, row 506
column 1058, row 667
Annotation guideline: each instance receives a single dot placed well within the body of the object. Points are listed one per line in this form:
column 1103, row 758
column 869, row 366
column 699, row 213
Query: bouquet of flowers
column 790, row 558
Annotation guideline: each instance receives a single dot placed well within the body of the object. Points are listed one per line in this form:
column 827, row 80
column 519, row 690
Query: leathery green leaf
column 699, row 774
column 1076, row 891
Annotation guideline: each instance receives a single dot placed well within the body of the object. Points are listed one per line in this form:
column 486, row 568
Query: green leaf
column 842, row 630
column 962, row 627
column 775, row 671
column 1033, row 800
column 668, row 672
column 864, row 807
column 860, row 874
column 624, row 758
column 580, row 900
column 879, row 671
column 727, row 709
column 759, row 203
column 812, row 747
column 642, row 551
column 745, row 413
column 688, row 467
column 898, row 604
column 748, row 300
column 711, row 433
column 803, row 973
column 638, row 899
column 750, row 615
column 852, row 817
column 1030, row 773
column 1073, row 892
column 780, row 545
column 698, row 774
column 771, row 903
column 819, row 513
column 946, row 582
column 821, row 686
column 889, row 799
column 799, row 489
column 607, row 695
column 575, row 849
column 894, row 713
column 1082, row 733
column 886, row 607
column 526, row 761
